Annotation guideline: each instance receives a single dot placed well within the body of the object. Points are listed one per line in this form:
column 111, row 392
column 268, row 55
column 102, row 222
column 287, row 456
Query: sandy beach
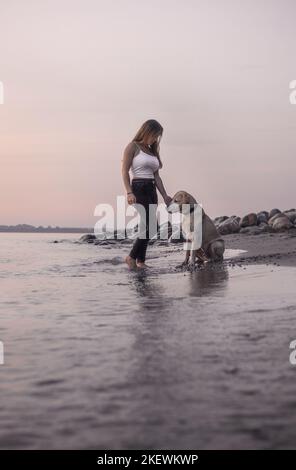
column 266, row 248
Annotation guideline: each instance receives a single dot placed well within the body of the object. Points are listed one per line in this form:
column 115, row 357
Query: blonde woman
column 141, row 158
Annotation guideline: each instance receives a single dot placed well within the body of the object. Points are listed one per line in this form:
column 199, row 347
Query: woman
column 141, row 156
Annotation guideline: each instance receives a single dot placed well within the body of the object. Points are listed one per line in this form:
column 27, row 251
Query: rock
column 273, row 212
column 264, row 227
column 87, row 238
column 291, row 214
column 262, row 217
column 107, row 241
column 282, row 223
column 264, row 212
column 274, row 217
column 251, row 230
column 161, row 242
column 219, row 220
column 230, row 225
column 102, row 242
column 119, row 234
column 249, row 220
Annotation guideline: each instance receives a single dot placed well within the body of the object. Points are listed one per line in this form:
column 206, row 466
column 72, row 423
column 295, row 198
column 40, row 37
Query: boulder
column 87, row 238
column 264, row 212
column 119, row 234
column 249, row 220
column 107, row 241
column 274, row 217
column 126, row 241
column 264, row 227
column 230, row 225
column 251, row 230
column 219, row 220
column 262, row 217
column 273, row 212
column 282, row 223
column 291, row 214
column 161, row 242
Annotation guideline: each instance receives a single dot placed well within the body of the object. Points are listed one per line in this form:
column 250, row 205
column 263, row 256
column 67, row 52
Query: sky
column 80, row 77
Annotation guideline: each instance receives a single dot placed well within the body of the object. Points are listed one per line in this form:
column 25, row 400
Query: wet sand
column 266, row 248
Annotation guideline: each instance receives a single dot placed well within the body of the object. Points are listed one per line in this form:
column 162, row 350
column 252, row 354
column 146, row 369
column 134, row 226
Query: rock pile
column 252, row 223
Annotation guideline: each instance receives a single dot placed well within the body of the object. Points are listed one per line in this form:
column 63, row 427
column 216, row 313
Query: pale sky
column 80, row 77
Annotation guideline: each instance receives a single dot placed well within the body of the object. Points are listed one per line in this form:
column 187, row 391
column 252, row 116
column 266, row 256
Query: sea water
column 98, row 357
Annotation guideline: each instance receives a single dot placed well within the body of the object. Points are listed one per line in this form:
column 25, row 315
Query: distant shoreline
column 24, row 228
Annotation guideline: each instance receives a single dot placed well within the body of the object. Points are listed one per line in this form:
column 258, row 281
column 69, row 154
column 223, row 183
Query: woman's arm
column 127, row 159
column 159, row 184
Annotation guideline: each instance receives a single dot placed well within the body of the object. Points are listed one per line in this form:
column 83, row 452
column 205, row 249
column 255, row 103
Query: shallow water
column 99, row 357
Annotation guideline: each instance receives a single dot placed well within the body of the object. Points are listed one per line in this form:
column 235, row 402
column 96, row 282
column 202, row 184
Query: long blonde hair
column 150, row 128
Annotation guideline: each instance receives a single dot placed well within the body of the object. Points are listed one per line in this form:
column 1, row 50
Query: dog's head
column 179, row 199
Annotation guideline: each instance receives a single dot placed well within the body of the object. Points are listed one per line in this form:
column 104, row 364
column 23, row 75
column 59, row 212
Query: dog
column 203, row 241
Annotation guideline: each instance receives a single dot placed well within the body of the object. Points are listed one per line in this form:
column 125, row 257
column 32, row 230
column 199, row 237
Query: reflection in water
column 143, row 283
column 209, row 281
column 165, row 356
column 150, row 293
column 153, row 368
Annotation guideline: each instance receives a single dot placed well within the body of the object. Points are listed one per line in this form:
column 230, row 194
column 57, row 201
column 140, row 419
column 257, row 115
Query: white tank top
column 144, row 165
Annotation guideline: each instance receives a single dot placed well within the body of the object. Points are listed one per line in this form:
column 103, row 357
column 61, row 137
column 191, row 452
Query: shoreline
column 266, row 248
column 269, row 248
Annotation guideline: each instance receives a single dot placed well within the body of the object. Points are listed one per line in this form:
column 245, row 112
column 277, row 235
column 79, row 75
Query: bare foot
column 140, row 264
column 131, row 262
column 183, row 265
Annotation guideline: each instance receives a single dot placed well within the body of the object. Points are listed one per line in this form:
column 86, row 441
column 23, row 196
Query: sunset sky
column 80, row 78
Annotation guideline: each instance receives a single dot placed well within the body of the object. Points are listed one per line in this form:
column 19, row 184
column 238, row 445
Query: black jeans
column 145, row 193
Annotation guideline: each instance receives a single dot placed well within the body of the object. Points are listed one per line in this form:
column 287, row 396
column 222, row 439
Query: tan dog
column 203, row 241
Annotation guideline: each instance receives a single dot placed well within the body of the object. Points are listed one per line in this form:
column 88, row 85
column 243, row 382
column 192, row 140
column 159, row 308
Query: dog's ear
column 180, row 197
column 186, row 198
column 191, row 199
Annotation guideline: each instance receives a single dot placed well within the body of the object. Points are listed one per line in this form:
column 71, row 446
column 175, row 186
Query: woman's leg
column 151, row 223
column 140, row 244
column 145, row 194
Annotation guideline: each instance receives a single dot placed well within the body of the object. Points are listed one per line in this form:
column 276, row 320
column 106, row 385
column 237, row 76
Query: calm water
column 99, row 357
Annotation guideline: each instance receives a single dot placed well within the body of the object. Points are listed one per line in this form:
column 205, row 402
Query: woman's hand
column 167, row 199
column 159, row 184
column 131, row 198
